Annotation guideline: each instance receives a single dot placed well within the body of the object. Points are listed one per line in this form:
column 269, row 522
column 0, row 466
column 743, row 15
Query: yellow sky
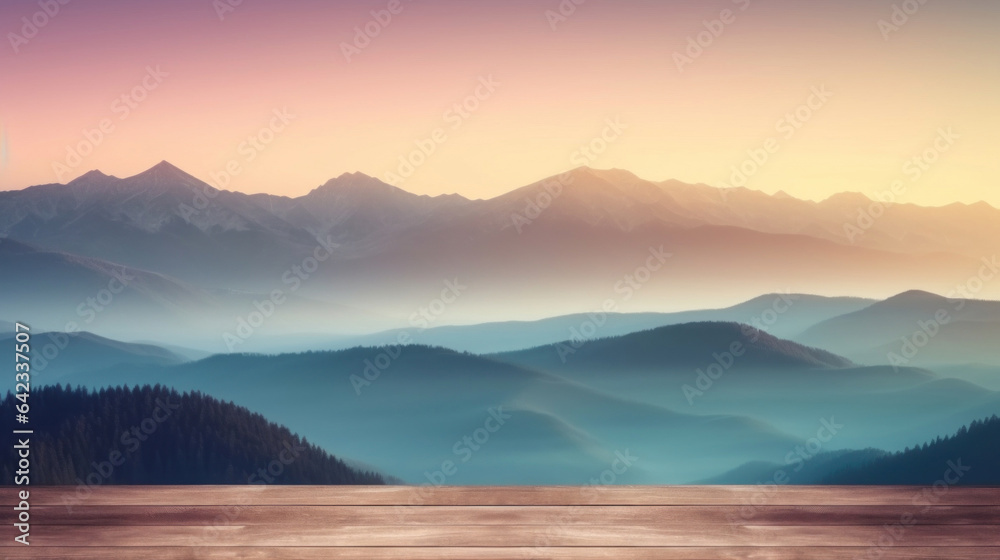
column 533, row 95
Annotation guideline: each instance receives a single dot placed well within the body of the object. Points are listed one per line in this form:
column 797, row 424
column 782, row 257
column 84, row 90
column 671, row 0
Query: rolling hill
column 59, row 354
column 968, row 457
column 675, row 347
column 914, row 328
column 971, row 456
column 799, row 311
column 152, row 435
column 408, row 409
column 694, row 368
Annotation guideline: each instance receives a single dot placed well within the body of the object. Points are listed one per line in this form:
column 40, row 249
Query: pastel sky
column 555, row 84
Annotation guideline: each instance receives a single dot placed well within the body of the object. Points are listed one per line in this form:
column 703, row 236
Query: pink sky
column 553, row 91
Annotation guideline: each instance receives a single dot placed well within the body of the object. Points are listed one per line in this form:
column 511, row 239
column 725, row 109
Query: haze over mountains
column 412, row 417
column 549, row 322
column 407, row 409
column 595, row 313
column 71, row 293
column 560, row 246
column 915, row 327
column 799, row 313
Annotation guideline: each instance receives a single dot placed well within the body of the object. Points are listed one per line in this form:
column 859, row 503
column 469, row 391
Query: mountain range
column 587, row 315
column 575, row 242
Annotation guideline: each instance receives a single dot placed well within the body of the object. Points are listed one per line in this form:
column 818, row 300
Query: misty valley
column 628, row 332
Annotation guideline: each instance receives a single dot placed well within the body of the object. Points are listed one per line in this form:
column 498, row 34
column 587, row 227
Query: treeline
column 970, row 457
column 155, row 435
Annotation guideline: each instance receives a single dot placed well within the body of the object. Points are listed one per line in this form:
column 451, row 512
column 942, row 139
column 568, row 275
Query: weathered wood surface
column 682, row 523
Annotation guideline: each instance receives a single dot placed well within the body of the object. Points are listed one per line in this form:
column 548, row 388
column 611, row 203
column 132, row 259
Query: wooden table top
column 396, row 522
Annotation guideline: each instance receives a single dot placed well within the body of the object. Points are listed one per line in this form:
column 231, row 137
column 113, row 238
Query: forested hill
column 971, row 456
column 155, row 435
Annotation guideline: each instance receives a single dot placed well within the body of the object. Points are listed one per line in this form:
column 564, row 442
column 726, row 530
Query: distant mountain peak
column 685, row 345
column 163, row 172
column 913, row 297
column 982, row 205
column 355, row 175
column 356, row 182
column 608, row 174
column 852, row 198
column 165, row 167
column 92, row 175
column 916, row 294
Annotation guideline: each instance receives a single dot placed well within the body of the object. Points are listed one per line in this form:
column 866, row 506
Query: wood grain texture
column 670, row 523
column 506, row 535
column 508, row 515
column 509, row 496
column 506, row 553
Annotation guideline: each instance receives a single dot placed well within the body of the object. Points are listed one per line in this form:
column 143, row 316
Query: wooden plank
column 511, row 536
column 500, row 496
column 323, row 516
column 669, row 523
column 482, row 553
